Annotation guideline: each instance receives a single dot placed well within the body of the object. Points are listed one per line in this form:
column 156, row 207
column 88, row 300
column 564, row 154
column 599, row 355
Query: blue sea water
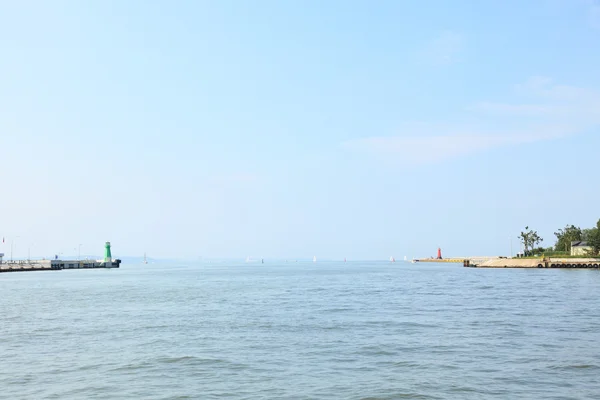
column 356, row 330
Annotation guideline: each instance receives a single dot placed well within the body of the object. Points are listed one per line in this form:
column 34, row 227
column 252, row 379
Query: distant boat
column 344, row 259
column 262, row 260
column 248, row 259
column 145, row 260
column 405, row 258
column 315, row 259
column 392, row 259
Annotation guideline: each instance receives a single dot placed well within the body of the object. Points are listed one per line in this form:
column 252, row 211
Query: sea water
column 325, row 330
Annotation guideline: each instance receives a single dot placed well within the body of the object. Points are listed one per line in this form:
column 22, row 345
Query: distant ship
column 315, row 259
column 145, row 260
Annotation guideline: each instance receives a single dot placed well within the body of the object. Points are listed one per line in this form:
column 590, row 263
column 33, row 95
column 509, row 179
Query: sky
column 287, row 129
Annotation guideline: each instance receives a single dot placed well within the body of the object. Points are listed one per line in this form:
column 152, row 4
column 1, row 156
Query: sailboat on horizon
column 145, row 260
column 392, row 259
column 314, row 259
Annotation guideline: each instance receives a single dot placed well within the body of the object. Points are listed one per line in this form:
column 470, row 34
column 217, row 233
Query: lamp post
column 12, row 245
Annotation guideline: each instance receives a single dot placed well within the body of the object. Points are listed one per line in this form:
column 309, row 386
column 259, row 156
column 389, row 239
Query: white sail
column 315, row 259
column 392, row 259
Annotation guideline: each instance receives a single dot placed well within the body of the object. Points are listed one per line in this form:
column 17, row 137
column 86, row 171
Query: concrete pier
column 538, row 263
column 457, row 260
column 505, row 262
column 55, row 265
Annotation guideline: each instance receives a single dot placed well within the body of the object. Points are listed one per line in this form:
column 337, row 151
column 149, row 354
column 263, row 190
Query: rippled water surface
column 300, row 331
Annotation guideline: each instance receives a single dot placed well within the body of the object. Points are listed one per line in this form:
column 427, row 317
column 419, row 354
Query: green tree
column 592, row 236
column 530, row 239
column 565, row 236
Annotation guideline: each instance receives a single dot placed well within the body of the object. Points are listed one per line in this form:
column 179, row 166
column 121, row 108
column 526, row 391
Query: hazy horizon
column 339, row 129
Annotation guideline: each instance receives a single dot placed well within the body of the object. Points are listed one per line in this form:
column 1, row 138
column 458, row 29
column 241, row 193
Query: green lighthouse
column 107, row 255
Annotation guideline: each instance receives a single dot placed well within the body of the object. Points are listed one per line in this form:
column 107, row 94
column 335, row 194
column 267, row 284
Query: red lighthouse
column 439, row 257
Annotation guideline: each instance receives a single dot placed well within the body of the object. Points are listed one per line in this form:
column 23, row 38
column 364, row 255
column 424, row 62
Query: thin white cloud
column 432, row 148
column 555, row 111
column 587, row 10
column 444, row 49
column 553, row 101
column 513, row 109
column 594, row 12
column 235, row 178
column 545, row 89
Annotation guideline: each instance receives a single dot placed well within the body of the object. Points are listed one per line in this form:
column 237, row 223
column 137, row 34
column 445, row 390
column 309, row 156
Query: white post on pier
column 12, row 244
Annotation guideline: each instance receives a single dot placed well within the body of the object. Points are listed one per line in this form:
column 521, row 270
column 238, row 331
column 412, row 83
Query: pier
column 537, row 263
column 457, row 260
column 505, row 262
column 57, row 265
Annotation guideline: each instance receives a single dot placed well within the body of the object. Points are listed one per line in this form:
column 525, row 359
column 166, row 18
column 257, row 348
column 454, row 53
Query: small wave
column 376, row 351
column 398, row 364
column 402, row 395
column 192, row 360
column 133, row 367
column 185, row 359
column 417, row 325
column 576, row 366
column 337, row 310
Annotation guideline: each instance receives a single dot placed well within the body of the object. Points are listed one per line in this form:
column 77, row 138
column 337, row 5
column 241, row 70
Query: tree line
column 570, row 233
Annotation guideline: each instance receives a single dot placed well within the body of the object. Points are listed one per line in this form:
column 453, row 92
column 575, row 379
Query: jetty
column 456, row 260
column 519, row 262
column 57, row 265
column 542, row 262
column 476, row 260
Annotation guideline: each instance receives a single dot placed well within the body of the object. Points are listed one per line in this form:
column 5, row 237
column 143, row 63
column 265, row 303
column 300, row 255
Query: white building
column 580, row 248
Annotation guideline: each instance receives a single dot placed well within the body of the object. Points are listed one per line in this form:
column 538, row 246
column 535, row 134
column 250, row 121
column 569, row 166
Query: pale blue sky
column 357, row 129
